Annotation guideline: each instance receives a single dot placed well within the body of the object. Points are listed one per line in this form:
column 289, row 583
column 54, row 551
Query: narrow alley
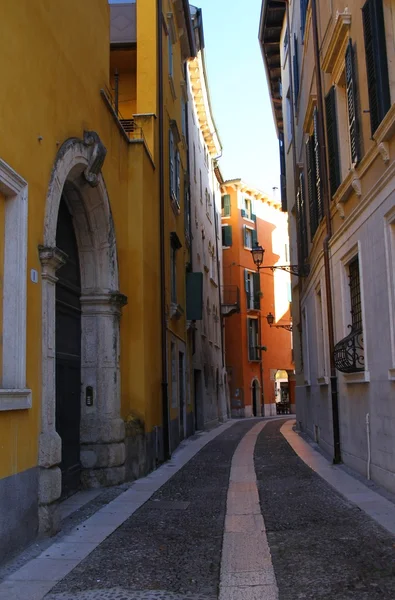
column 236, row 514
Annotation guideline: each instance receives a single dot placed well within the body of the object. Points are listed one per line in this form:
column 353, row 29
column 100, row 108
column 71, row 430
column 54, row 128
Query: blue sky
column 239, row 92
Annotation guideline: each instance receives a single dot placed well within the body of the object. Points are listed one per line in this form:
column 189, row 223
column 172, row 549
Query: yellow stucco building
column 92, row 250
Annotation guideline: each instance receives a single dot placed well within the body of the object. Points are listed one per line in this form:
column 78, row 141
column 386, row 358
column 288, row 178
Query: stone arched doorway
column 77, row 185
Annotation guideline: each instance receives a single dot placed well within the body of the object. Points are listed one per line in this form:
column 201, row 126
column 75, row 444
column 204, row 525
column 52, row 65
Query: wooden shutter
column 333, row 141
column 257, row 290
column 302, row 220
column 353, row 116
column 194, row 288
column 376, row 61
column 247, row 287
column 295, row 61
column 283, row 180
column 171, row 163
column 227, row 235
column 243, row 212
column 317, row 160
column 254, row 237
column 226, row 205
column 311, row 188
column 245, row 241
column 177, row 178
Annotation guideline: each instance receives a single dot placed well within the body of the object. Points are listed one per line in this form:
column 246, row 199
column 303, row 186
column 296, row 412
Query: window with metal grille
column 355, row 295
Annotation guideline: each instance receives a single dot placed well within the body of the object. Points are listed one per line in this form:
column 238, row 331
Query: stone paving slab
column 123, row 594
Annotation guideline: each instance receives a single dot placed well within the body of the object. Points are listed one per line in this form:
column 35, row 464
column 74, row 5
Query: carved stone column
column 102, row 429
column 50, row 444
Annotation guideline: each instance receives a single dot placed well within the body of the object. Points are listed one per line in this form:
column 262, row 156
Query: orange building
column 259, row 357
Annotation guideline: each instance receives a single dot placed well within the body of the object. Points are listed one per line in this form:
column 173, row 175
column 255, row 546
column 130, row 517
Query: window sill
column 391, row 374
column 357, row 377
column 226, row 247
column 249, row 220
column 247, row 248
column 213, row 282
column 227, row 217
column 15, row 400
column 323, row 380
column 307, row 383
column 206, row 268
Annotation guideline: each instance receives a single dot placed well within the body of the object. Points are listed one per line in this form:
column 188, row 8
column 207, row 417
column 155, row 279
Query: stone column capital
column 51, row 259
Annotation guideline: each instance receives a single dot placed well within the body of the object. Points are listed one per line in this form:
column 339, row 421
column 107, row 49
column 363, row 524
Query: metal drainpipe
column 221, row 323
column 165, row 397
column 326, row 196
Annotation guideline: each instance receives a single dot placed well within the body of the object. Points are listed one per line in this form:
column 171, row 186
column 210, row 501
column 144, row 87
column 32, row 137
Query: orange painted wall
column 236, row 259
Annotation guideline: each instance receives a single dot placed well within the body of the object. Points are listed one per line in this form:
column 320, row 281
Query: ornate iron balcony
column 349, row 353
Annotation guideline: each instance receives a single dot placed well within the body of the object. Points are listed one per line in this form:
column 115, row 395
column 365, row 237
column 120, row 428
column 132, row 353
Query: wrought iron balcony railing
column 349, row 353
column 230, row 295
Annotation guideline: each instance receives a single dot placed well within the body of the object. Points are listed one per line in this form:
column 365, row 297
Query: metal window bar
column 355, row 295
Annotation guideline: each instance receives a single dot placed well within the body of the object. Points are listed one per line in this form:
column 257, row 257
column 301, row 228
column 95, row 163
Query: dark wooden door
column 68, row 352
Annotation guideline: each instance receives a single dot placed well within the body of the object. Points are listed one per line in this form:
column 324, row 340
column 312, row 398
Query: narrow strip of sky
column 239, row 93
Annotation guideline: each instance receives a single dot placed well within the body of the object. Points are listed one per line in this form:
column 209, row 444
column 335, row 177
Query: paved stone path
column 323, row 547
column 236, row 515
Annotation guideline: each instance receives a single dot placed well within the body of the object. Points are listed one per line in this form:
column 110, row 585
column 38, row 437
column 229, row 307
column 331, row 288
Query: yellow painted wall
column 56, row 58
column 2, row 223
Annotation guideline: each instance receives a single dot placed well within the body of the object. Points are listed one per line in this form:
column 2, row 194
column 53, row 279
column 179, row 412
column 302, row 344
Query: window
column 295, row 66
column 174, row 170
column 314, row 179
column 352, row 105
column 355, row 295
column 303, row 11
column 173, row 375
column 283, row 179
column 288, row 111
column 246, row 210
column 201, row 186
column 250, row 237
column 301, row 220
column 212, row 265
column 305, row 348
column 194, row 162
column 253, row 289
column 226, row 236
column 286, row 40
column 170, row 55
column 187, row 208
column 376, row 61
column 333, row 142
column 253, row 339
column 174, row 246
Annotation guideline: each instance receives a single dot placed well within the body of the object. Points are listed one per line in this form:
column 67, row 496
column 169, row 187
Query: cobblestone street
column 236, row 514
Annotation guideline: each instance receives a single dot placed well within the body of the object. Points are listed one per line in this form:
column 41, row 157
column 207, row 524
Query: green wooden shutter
column 376, row 61
column 253, row 217
column 353, row 116
column 243, row 212
column 283, row 179
column 318, row 183
column 177, row 178
column 303, row 11
column 257, row 290
column 226, row 205
column 333, row 142
column 227, row 235
column 254, row 238
column 247, row 287
column 295, row 63
column 194, row 285
column 311, row 188
column 171, row 163
column 245, row 241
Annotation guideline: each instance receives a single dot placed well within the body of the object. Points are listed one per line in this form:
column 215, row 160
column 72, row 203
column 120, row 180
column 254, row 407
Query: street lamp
column 270, row 320
column 258, row 252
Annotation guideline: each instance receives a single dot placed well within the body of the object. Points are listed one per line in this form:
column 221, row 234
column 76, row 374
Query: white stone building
column 204, row 149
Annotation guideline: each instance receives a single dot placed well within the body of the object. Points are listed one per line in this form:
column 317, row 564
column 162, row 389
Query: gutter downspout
column 326, row 196
column 164, row 385
column 219, row 292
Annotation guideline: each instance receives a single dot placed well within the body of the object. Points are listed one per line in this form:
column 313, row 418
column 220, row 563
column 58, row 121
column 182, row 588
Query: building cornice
column 337, row 42
column 201, row 98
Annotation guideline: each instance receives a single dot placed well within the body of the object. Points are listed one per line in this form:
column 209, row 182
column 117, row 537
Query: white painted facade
column 205, row 201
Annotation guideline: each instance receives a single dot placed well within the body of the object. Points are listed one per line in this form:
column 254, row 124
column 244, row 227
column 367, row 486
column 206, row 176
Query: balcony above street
column 230, row 295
